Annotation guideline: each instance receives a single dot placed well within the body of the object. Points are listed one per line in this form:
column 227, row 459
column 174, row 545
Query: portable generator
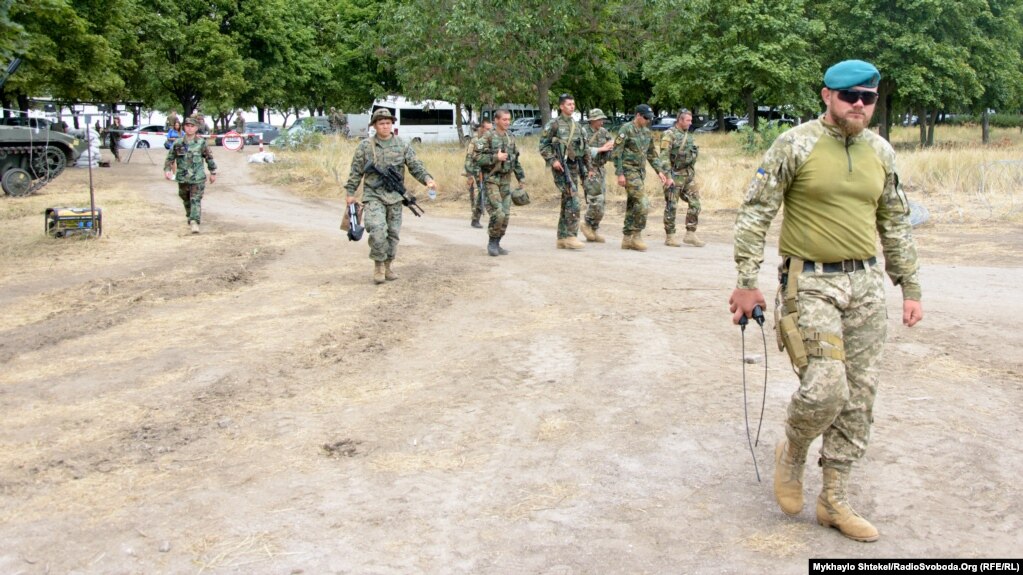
column 66, row 222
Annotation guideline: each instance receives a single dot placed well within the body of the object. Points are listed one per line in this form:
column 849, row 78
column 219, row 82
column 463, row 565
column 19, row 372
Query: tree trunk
column 721, row 120
column 884, row 111
column 930, row 127
column 751, row 109
column 543, row 88
column 922, row 122
column 261, row 113
column 985, row 127
column 458, row 120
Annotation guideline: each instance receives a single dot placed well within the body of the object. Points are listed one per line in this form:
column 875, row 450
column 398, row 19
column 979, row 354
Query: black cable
column 758, row 316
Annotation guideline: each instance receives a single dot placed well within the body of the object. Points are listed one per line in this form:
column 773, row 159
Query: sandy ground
column 247, row 401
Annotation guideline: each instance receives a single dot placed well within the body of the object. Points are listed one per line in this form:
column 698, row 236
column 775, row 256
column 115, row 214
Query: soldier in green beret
column 838, row 183
column 186, row 157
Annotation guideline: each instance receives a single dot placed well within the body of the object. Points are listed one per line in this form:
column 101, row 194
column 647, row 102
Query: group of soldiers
column 840, row 191
column 577, row 153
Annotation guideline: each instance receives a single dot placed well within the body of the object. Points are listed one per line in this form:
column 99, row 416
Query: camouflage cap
column 380, row 114
column 645, row 111
column 596, row 114
column 190, row 120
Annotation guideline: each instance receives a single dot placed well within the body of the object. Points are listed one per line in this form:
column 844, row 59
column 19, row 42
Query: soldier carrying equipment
column 395, row 182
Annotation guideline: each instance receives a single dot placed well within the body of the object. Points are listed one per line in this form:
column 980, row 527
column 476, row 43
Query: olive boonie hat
column 596, row 114
column 380, row 114
column 645, row 111
column 190, row 120
column 851, row 73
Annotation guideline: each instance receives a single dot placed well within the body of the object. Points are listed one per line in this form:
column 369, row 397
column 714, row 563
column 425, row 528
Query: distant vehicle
column 527, row 126
column 268, row 130
column 731, row 125
column 663, row 124
column 148, row 136
column 39, row 123
column 430, row 121
column 32, row 156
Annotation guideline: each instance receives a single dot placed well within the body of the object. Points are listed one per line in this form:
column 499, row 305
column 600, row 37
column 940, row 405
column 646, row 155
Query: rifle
column 394, row 181
column 559, row 149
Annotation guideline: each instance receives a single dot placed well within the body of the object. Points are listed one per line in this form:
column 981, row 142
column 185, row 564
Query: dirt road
column 246, row 401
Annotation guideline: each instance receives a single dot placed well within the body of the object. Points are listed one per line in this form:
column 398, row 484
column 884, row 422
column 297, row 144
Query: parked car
column 147, row 136
column 526, row 126
column 43, row 123
column 731, row 124
column 253, row 129
column 663, row 124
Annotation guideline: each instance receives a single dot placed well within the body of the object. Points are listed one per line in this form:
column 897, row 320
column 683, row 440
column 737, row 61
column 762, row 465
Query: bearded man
column 840, row 189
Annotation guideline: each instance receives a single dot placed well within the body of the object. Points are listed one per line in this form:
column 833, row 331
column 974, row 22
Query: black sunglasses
column 852, row 96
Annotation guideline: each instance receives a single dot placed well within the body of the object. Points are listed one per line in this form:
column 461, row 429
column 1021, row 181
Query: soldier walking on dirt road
column 186, row 157
column 382, row 206
column 838, row 183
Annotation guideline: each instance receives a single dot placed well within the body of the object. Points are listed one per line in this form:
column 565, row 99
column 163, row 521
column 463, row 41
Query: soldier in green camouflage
column 600, row 144
column 838, row 183
column 633, row 148
column 472, row 174
column 184, row 164
column 497, row 158
column 382, row 207
column 678, row 152
column 565, row 138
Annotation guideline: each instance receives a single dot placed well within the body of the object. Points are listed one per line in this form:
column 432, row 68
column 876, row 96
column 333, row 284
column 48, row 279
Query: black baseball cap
column 645, row 111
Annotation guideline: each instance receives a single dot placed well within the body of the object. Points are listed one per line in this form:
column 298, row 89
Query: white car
column 526, row 126
column 147, row 136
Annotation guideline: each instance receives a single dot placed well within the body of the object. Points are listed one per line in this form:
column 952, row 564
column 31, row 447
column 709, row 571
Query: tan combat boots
column 788, row 478
column 833, row 510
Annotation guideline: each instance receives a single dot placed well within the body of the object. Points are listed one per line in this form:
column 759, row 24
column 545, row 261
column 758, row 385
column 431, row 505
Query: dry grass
column 958, row 180
column 786, row 541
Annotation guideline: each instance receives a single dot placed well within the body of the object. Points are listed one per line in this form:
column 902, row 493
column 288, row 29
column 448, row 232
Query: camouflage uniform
column 678, row 152
column 239, row 124
column 497, row 177
column 382, row 208
column 635, row 146
column 472, row 170
column 188, row 155
column 839, row 193
column 566, row 133
column 596, row 187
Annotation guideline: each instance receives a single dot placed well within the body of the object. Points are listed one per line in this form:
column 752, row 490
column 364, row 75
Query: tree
column 186, row 52
column 756, row 52
column 65, row 56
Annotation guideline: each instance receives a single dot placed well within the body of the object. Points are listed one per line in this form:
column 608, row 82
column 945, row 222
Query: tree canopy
column 313, row 54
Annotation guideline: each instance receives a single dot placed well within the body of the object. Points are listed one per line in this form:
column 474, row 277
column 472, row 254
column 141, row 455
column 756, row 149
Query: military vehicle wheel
column 17, row 182
column 49, row 164
column 142, row 144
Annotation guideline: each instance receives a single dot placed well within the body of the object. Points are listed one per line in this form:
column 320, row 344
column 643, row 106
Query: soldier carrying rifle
column 382, row 203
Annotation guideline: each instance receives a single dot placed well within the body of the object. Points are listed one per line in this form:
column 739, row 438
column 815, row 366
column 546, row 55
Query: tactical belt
column 845, row 266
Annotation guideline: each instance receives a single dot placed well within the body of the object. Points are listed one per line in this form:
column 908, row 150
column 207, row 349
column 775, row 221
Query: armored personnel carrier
column 32, row 155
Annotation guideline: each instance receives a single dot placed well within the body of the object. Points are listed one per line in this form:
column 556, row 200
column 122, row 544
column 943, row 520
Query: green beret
column 851, row 73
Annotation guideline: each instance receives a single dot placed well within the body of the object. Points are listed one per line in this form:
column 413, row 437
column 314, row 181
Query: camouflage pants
column 568, row 221
column 383, row 222
column 499, row 203
column 476, row 201
column 596, row 192
column 191, row 196
column 637, row 204
column 685, row 190
column 836, row 398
